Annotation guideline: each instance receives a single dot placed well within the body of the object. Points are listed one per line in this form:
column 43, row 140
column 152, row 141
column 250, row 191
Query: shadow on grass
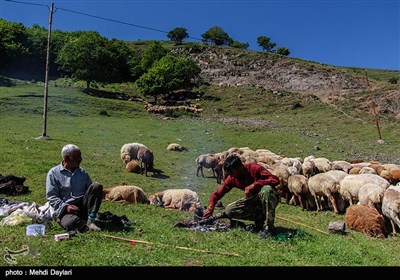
column 159, row 174
column 105, row 94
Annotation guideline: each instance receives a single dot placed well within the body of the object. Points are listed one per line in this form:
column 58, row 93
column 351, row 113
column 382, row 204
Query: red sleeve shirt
column 253, row 174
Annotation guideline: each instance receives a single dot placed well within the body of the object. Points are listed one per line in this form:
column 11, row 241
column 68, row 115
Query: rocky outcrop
column 235, row 67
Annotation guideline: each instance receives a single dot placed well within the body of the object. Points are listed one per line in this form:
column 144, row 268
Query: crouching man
column 260, row 199
column 71, row 193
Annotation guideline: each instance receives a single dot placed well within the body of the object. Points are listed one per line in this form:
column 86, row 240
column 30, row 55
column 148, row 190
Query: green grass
column 74, row 117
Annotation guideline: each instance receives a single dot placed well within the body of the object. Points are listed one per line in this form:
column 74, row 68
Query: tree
column 217, row 36
column 13, row 45
column 168, row 74
column 239, row 45
column 87, row 57
column 283, row 51
column 155, row 52
column 266, row 44
column 123, row 57
column 37, row 38
column 178, row 34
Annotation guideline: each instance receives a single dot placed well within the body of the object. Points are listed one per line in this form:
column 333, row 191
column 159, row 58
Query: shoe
column 267, row 232
column 92, row 226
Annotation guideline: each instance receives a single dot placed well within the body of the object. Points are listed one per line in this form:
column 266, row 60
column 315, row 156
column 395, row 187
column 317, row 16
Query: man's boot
column 267, row 232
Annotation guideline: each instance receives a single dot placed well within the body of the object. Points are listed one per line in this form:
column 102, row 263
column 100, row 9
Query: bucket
column 35, row 230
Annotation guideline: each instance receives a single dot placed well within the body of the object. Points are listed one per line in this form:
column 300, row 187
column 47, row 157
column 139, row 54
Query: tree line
column 88, row 56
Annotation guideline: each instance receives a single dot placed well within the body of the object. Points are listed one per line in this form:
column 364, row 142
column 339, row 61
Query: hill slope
column 244, row 68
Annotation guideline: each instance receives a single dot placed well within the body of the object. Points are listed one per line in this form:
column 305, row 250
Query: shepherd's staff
column 177, row 247
column 285, row 219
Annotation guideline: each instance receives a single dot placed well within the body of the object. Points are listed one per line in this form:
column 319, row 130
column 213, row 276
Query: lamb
column 176, row 147
column 207, row 161
column 367, row 220
column 126, row 194
column 129, row 151
column 181, row 199
column 146, row 158
column 220, row 172
column 391, row 206
column 134, row 167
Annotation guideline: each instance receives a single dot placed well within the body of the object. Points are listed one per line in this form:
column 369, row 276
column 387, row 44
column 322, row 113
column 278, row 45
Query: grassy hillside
column 284, row 123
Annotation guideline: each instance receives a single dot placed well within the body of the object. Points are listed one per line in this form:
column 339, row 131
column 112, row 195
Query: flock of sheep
column 314, row 183
column 319, row 183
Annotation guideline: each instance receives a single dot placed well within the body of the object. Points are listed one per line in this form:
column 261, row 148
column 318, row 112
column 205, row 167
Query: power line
column 27, row 3
column 103, row 18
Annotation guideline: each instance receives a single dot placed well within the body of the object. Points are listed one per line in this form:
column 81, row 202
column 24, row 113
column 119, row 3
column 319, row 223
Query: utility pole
column 380, row 141
column 46, row 79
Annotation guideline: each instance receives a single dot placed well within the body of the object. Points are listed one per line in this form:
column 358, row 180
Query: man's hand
column 247, row 190
column 72, row 209
column 208, row 212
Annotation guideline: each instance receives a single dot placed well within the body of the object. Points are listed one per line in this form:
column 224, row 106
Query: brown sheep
column 366, row 220
column 125, row 194
column 134, row 167
column 220, row 172
column 146, row 158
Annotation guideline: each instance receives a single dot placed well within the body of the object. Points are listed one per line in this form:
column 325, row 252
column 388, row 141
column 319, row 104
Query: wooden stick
column 285, row 219
column 178, row 247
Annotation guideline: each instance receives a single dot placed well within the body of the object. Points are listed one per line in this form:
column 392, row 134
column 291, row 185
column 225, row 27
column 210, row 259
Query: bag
column 112, row 222
column 10, row 184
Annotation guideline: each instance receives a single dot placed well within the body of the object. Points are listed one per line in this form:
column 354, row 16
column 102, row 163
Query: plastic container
column 35, row 230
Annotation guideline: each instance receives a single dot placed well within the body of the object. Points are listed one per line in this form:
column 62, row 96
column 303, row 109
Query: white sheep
column 341, row 165
column 391, row 206
column 322, row 164
column 129, row 151
column 324, row 184
column 338, row 174
column 176, row 147
column 280, row 170
column 181, row 199
column 367, row 170
column 371, row 195
column 351, row 184
column 298, row 185
column 308, row 168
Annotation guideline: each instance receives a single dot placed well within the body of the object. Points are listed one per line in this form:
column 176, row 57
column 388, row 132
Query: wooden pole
column 177, row 247
column 46, row 79
column 373, row 107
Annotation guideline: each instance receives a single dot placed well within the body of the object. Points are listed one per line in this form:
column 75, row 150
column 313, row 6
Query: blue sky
column 355, row 33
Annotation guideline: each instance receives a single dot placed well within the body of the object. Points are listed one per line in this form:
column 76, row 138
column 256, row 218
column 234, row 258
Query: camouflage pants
column 259, row 208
